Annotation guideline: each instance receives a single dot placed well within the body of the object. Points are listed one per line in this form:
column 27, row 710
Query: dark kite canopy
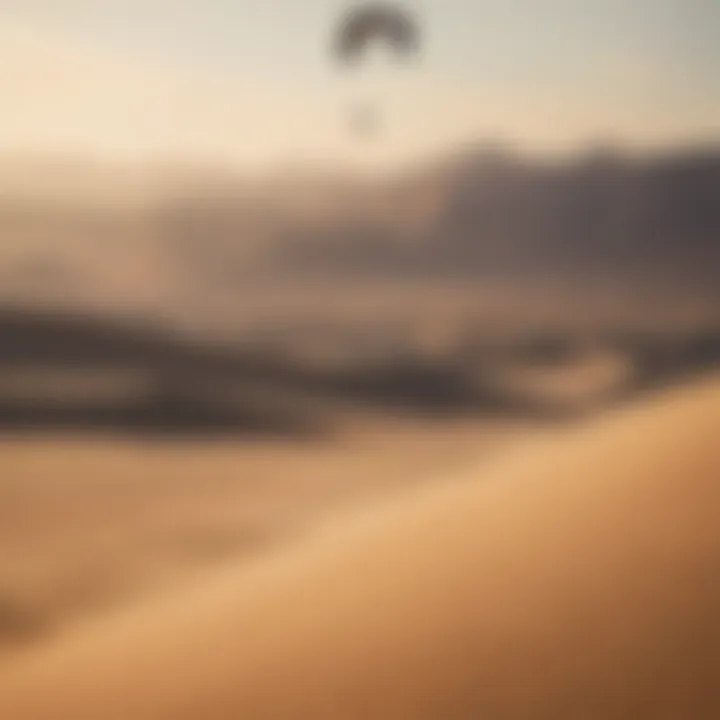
column 376, row 22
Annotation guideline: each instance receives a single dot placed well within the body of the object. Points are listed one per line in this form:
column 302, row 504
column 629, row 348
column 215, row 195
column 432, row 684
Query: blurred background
column 243, row 285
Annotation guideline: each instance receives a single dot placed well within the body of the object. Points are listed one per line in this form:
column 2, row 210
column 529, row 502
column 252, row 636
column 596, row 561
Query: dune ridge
column 576, row 579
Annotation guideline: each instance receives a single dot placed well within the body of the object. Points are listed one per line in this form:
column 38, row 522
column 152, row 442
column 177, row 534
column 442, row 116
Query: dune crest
column 575, row 580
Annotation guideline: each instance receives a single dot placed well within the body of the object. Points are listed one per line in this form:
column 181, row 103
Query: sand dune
column 578, row 579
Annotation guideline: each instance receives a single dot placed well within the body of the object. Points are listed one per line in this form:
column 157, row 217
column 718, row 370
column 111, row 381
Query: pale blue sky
column 541, row 72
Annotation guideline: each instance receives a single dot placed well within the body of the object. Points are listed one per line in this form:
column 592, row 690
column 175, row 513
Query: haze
column 250, row 83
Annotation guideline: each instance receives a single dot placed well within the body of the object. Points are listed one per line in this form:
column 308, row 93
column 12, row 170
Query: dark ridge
column 204, row 389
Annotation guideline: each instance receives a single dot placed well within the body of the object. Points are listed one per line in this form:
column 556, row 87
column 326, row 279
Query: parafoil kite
column 372, row 22
column 363, row 26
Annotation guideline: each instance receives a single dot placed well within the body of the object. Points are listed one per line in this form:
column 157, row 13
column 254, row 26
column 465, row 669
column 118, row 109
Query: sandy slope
column 88, row 525
column 577, row 580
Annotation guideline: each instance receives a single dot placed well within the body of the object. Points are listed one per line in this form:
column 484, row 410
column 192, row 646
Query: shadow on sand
column 203, row 390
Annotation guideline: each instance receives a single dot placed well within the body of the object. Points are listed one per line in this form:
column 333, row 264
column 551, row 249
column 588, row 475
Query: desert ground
column 87, row 525
column 561, row 573
column 440, row 445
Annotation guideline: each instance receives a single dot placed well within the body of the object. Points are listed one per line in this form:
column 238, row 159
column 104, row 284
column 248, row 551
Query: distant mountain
column 499, row 214
column 142, row 238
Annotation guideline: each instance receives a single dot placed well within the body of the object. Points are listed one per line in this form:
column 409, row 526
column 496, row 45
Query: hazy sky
column 251, row 81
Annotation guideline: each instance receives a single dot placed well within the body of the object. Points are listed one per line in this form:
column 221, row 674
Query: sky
column 250, row 82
